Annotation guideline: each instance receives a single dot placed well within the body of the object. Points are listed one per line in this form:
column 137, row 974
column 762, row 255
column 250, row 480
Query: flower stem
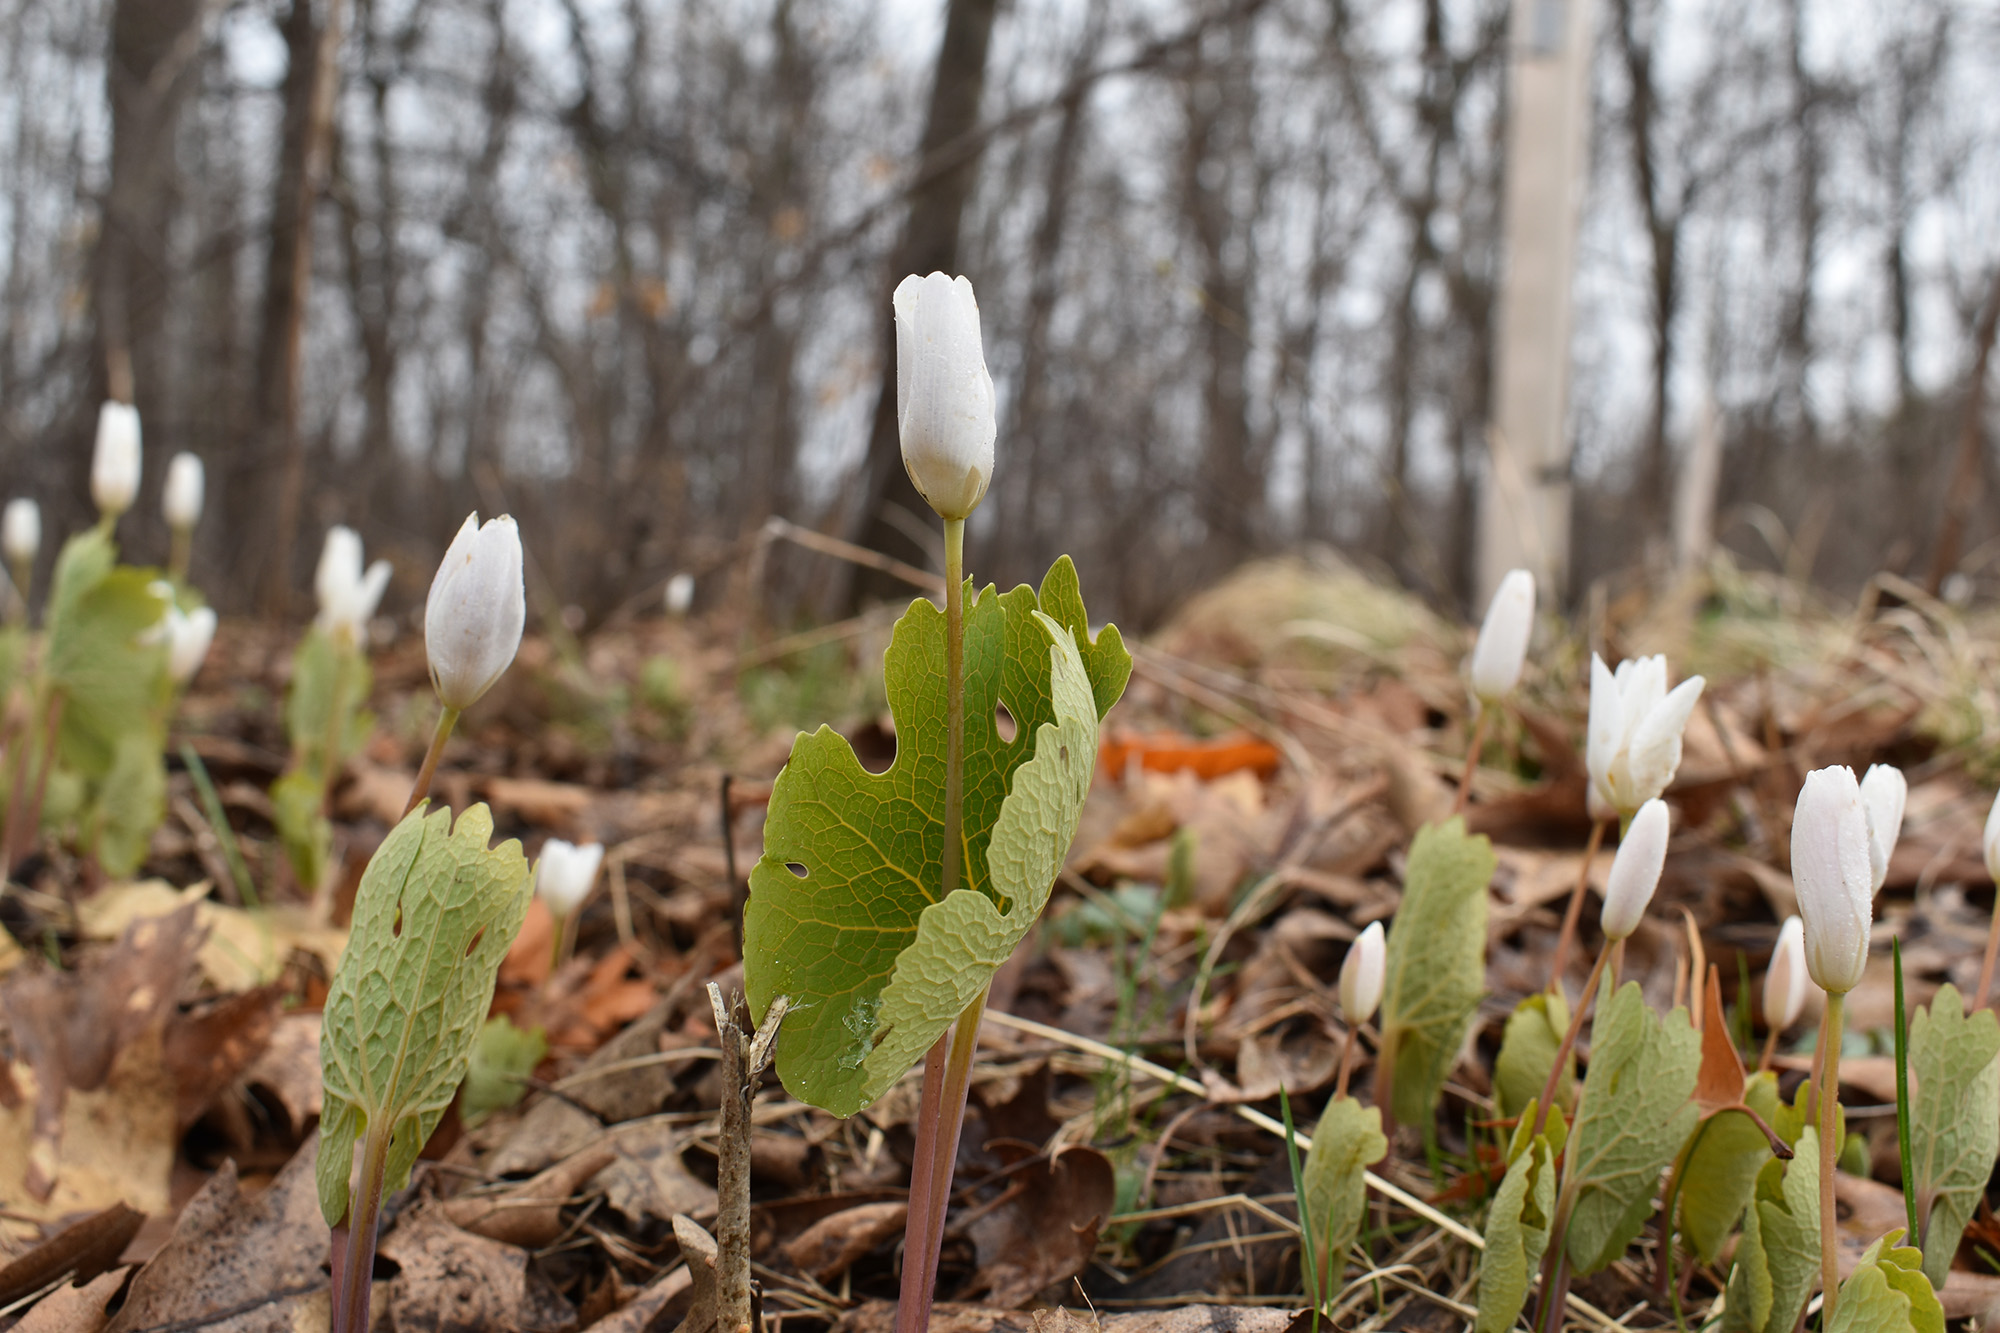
column 1986, row 964
column 1829, row 1099
column 24, row 579
column 354, row 1243
column 1575, row 908
column 948, row 1068
column 1471, row 758
column 330, row 757
column 179, row 550
column 447, row 719
column 1569, row 1041
column 940, row 1116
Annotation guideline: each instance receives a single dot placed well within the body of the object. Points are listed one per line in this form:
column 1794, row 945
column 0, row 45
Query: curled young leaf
column 1635, row 1113
column 1527, row 1048
column 1777, row 1260
column 435, row 914
column 1517, row 1229
column 1345, row 1143
column 1888, row 1293
column 1720, row 1173
column 1437, row 966
column 1954, row 1119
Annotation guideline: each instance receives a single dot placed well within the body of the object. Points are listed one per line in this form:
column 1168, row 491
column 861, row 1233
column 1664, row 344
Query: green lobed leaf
column 1777, row 1260
column 1527, row 1048
column 1436, row 968
column 501, row 1058
column 130, row 802
column 329, row 684
column 435, row 914
column 1634, row 1115
column 112, row 684
column 1720, row 1173
column 1954, row 1119
column 1888, row 1293
column 875, row 967
column 1345, row 1143
column 1517, row 1230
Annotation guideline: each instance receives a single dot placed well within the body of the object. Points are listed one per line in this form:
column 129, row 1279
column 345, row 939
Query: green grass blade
column 218, row 824
column 1308, row 1264
column 1903, row 1094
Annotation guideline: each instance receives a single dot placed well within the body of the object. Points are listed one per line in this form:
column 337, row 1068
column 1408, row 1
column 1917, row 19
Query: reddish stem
column 940, row 1117
column 353, row 1243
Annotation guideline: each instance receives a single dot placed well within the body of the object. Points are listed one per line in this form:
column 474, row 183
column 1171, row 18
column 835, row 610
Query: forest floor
column 1282, row 738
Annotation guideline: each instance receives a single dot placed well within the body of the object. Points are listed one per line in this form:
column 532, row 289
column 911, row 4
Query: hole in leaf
column 1004, row 723
column 1063, row 754
column 796, row 868
column 396, row 926
column 477, row 936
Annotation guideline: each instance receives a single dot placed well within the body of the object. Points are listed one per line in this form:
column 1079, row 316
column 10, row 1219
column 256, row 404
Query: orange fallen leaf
column 1170, row 752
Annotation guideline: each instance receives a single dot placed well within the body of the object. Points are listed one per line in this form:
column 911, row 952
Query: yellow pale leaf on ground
column 243, row 949
column 117, row 1141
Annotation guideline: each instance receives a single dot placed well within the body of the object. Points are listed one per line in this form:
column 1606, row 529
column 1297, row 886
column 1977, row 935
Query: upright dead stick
column 743, row 1062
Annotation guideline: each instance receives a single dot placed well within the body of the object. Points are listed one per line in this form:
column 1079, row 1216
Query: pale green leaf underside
column 1517, row 1234
column 1721, row 1172
column 1888, row 1293
column 1777, row 1260
column 435, row 914
column 1436, row 968
column 1345, row 1143
column 1633, row 1117
column 1527, row 1049
column 1954, row 1119
column 874, row 966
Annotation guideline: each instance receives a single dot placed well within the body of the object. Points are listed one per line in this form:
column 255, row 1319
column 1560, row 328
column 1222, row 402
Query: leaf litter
column 1280, row 744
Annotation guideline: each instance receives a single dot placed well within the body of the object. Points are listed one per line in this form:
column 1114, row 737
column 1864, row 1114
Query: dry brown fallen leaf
column 648, row 1179
column 209, row 1047
column 289, row 1067
column 79, row 1251
column 74, row 1309
column 452, row 1279
column 229, row 1249
column 1045, row 1229
column 530, row 1214
column 830, row 1246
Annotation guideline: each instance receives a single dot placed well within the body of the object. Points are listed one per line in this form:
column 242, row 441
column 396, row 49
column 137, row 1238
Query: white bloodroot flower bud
column 1634, row 743
column 114, row 467
column 1884, row 791
column 181, row 500
column 565, row 872
column 1785, row 979
column 21, row 531
column 477, row 609
column 1635, row 871
column 1502, row 647
column 1361, row 976
column 1830, row 867
column 347, row 597
column 1991, row 841
column 944, row 395
column 680, row 594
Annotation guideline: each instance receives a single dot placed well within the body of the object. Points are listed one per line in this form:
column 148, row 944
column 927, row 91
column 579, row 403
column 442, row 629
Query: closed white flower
column 347, row 596
column 1635, row 871
column 1830, row 867
column 114, row 466
column 1502, row 646
column 181, row 500
column 1785, row 979
column 477, row 609
column 1634, row 744
column 680, row 594
column 1883, row 793
column 564, row 873
column 944, row 395
column 1991, row 841
column 1361, row 975
column 21, row 530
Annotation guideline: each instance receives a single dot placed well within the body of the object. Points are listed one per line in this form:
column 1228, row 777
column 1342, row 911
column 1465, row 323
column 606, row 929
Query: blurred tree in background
column 621, row 267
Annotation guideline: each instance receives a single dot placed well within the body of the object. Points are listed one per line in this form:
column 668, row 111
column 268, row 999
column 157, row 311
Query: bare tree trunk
column 949, row 162
column 154, row 50
column 310, row 88
column 1968, row 469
